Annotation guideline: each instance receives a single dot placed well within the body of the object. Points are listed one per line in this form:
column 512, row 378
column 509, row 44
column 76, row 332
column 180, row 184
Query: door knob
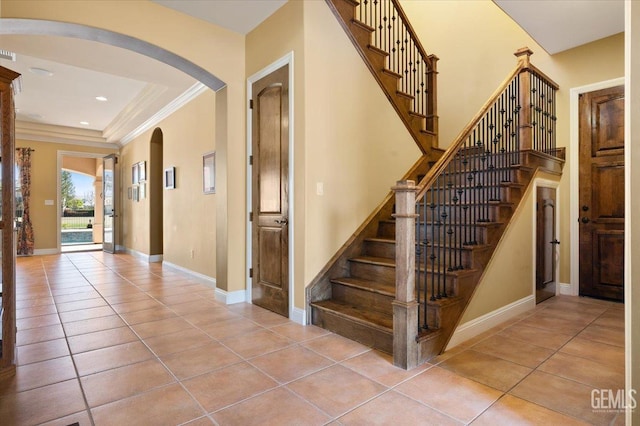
column 282, row 222
column 585, row 220
column 555, row 242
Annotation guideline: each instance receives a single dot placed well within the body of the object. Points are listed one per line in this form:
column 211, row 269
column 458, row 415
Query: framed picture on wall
column 135, row 177
column 170, row 178
column 209, row 173
column 142, row 171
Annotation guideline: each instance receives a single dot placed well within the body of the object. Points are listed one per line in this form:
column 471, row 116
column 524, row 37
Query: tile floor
column 107, row 340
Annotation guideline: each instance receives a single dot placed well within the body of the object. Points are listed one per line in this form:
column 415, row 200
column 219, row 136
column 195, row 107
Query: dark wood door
column 546, row 243
column 602, row 193
column 270, row 189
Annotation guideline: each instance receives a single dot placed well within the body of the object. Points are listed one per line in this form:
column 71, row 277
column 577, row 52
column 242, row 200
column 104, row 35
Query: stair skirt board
column 475, row 327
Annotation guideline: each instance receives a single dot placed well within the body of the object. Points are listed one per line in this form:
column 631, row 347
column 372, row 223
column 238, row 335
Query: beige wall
column 87, row 166
column 189, row 215
column 44, row 186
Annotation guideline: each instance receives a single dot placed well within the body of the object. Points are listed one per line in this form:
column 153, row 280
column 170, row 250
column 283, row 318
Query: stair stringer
column 434, row 343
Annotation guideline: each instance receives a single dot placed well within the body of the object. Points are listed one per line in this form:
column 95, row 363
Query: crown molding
column 186, row 97
column 31, row 131
column 149, row 94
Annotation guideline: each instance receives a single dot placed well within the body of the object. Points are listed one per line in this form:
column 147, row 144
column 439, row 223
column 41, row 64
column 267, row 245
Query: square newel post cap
column 404, row 185
column 523, row 54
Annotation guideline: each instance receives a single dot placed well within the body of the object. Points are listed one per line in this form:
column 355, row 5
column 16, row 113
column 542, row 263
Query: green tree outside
column 67, row 189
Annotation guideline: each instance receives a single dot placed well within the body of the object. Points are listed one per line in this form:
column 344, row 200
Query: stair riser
column 450, row 282
column 363, row 299
column 471, row 195
column 352, row 330
column 368, row 271
column 451, row 215
column 446, row 257
column 380, row 249
column 468, row 234
column 484, row 177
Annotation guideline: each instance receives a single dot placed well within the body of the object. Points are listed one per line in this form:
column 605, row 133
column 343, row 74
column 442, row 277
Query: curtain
column 25, row 228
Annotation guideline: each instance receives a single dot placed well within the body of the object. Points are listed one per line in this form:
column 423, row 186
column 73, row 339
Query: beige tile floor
column 107, row 340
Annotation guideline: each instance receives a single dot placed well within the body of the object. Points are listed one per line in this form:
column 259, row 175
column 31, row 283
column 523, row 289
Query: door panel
column 545, row 243
column 601, row 195
column 270, row 180
column 109, row 203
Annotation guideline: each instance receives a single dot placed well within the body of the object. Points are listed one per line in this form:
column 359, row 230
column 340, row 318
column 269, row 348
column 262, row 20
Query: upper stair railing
column 459, row 196
column 406, row 57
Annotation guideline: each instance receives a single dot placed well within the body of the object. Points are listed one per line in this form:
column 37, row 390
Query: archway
column 156, row 179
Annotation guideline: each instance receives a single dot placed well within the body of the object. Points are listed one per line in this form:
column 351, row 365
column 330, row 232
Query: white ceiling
column 560, row 25
column 240, row 16
column 137, row 87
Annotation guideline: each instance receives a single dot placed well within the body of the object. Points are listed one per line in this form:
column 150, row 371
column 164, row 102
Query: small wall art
column 209, row 173
column 170, row 178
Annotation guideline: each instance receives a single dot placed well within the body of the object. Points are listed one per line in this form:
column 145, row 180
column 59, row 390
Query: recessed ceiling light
column 84, row 123
column 101, row 99
column 41, row 72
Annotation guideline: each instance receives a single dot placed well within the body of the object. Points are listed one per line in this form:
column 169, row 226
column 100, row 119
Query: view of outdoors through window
column 77, row 203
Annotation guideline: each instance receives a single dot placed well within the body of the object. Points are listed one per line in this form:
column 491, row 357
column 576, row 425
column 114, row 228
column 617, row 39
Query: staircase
column 386, row 41
column 403, row 280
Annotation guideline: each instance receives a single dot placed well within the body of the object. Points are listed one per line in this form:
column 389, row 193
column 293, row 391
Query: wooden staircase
column 360, row 306
column 385, row 49
column 401, row 283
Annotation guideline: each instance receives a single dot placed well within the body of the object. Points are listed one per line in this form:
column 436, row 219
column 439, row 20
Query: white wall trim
column 287, row 59
column 298, row 316
column 574, row 144
column 230, row 297
column 204, row 279
column 155, row 258
column 137, row 254
column 565, row 289
column 45, row 252
column 487, row 321
column 186, row 97
column 545, row 183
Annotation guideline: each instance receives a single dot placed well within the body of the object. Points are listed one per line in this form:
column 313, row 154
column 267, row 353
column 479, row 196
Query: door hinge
column 250, row 216
column 250, row 103
column 251, row 160
column 250, row 272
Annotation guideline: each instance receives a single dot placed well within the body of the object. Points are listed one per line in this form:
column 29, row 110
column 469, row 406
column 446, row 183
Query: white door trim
column 295, row 314
column 61, row 154
column 574, row 145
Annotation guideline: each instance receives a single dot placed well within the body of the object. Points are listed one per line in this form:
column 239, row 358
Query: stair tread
column 506, row 183
column 367, row 285
column 371, row 318
column 382, row 261
column 464, row 247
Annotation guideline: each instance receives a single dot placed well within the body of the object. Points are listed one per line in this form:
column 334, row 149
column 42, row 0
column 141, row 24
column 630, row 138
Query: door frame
column 295, row 314
column 573, row 288
column 61, row 154
column 555, row 185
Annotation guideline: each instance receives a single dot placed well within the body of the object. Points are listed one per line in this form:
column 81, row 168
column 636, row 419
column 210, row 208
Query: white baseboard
column 487, row 321
column 230, row 297
column 155, row 258
column 204, row 279
column 298, row 315
column 135, row 253
column 566, row 289
column 45, row 252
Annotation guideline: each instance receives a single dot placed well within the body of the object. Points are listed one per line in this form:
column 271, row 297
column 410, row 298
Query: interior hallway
column 109, row 340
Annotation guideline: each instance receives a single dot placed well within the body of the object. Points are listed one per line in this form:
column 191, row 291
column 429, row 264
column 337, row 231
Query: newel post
column 524, row 100
column 405, row 306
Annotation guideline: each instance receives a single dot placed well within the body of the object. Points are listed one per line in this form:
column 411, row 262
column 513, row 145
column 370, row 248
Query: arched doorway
column 156, row 179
